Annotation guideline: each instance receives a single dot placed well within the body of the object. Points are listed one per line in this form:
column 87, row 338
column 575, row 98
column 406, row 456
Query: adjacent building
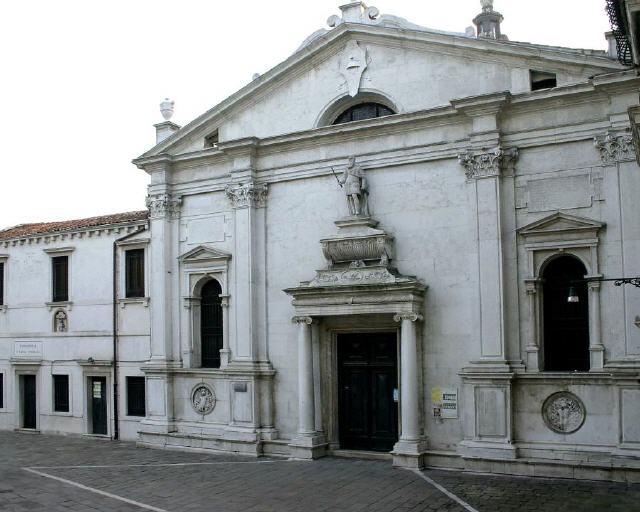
column 399, row 240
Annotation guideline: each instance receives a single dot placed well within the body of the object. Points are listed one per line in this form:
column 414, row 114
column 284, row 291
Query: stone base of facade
column 488, row 449
column 409, row 454
column 241, row 445
column 308, row 447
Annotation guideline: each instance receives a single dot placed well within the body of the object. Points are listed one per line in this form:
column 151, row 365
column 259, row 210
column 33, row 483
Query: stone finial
column 166, row 108
column 166, row 128
column 488, row 22
column 487, row 5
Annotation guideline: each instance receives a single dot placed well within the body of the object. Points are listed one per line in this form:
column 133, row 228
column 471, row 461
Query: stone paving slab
column 192, row 482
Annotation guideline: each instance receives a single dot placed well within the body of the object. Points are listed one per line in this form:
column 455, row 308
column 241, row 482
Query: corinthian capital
column 615, row 147
column 164, row 205
column 247, row 195
column 487, row 164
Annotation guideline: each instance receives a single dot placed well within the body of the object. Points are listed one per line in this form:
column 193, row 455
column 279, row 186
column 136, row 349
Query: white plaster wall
column 27, row 318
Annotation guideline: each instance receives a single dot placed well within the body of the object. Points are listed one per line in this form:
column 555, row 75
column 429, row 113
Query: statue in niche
column 355, row 187
column 60, row 322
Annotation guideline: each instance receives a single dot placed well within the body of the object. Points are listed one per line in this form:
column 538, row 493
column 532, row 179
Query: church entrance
column 368, row 391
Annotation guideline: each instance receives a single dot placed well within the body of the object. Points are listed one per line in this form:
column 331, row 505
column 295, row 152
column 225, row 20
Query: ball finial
column 166, row 108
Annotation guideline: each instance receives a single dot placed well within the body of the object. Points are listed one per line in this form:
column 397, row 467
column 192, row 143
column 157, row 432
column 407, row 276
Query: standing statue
column 60, row 322
column 355, row 187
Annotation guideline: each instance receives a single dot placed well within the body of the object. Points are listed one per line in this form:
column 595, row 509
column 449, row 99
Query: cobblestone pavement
column 120, row 477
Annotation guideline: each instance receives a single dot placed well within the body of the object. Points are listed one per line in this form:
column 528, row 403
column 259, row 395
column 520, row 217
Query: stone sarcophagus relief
column 359, row 245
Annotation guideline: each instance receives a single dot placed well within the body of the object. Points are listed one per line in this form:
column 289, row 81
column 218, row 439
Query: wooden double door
column 368, row 391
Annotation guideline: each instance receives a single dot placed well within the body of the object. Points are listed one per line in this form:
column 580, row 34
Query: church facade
column 405, row 242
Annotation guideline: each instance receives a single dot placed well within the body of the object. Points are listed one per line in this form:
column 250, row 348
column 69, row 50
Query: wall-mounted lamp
column 618, row 281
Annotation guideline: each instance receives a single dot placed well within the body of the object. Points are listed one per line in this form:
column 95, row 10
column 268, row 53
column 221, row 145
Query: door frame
column 19, row 373
column 86, row 377
column 327, row 390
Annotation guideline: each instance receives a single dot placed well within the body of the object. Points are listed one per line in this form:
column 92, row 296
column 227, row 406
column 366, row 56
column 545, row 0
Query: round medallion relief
column 203, row 399
column 563, row 412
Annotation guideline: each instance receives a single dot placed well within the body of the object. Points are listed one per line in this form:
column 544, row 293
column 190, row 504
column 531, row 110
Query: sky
column 81, row 80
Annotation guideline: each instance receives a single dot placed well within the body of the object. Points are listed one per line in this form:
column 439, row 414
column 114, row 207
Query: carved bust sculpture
column 355, row 187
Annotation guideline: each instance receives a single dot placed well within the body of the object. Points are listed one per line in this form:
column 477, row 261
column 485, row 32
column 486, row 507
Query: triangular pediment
column 291, row 97
column 203, row 253
column 559, row 223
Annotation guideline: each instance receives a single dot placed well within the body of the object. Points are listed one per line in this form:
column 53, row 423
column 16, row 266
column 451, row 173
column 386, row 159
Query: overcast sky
column 81, row 80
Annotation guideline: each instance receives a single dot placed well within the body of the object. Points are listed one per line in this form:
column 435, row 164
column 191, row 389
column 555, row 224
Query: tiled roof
column 24, row 230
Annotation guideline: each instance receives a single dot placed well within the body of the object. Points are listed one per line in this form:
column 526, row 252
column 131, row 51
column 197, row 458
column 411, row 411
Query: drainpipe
column 116, row 415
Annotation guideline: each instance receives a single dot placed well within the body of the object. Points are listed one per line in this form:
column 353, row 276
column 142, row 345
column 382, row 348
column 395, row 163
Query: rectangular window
column 1, row 283
column 135, row 396
column 61, row 393
column 60, row 273
column 134, row 273
column 1, row 390
column 542, row 80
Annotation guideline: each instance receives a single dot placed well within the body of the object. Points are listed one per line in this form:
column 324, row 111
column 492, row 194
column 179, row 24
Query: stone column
column 409, row 450
column 225, row 353
column 308, row 444
column 596, row 348
column 533, row 338
column 306, row 403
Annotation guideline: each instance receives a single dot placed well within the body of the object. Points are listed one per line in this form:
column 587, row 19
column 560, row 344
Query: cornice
column 75, row 234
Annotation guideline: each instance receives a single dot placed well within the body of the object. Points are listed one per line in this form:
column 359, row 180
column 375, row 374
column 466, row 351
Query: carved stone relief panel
column 203, row 399
column 567, row 191
column 563, row 413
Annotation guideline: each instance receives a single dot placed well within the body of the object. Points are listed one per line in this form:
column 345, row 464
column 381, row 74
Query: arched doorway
column 211, row 324
column 566, row 324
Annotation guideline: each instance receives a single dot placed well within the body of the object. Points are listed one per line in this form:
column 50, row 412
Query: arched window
column 211, row 324
column 566, row 323
column 363, row 111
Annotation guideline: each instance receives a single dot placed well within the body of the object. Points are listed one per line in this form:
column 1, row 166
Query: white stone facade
column 475, row 186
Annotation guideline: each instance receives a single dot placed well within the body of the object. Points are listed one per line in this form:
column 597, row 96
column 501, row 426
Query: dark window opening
column 363, row 111
column 1, row 284
column 136, row 396
column 1, row 390
column 211, row 141
column 211, row 324
column 542, row 80
column 61, row 393
column 60, row 272
column 134, row 273
column 566, row 324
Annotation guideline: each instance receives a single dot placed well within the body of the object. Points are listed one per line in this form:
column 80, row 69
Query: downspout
column 116, row 415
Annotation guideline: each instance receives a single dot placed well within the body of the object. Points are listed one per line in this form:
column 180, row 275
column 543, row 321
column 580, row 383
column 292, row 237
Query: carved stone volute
column 164, row 205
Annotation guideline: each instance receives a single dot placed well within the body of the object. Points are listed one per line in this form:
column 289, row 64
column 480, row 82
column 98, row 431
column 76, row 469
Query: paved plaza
column 51, row 473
